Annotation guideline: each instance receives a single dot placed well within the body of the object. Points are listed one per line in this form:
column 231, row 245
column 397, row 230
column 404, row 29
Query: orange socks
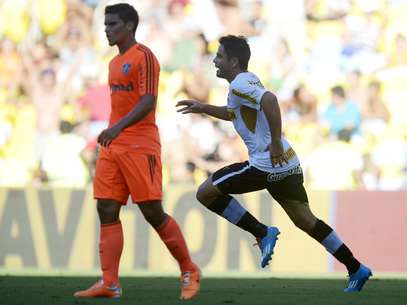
column 171, row 235
column 110, row 250
column 111, row 246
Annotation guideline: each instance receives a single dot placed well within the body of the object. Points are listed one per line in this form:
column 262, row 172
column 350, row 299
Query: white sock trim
column 234, row 211
column 332, row 242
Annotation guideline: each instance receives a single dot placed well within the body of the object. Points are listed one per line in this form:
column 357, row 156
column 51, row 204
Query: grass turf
column 19, row 290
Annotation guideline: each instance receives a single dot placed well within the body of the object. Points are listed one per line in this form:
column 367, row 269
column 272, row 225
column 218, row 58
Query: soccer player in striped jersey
column 129, row 163
column 272, row 164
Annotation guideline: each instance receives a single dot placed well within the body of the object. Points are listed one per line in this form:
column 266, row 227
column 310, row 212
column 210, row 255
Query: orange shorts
column 122, row 172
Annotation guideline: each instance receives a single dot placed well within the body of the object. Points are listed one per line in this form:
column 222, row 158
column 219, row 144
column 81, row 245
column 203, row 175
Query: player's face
column 115, row 29
column 222, row 63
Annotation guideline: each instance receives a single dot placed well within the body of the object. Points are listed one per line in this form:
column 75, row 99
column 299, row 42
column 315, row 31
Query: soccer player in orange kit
column 129, row 162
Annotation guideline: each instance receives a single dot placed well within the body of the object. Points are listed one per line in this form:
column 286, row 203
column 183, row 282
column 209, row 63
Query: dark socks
column 325, row 235
column 252, row 225
column 229, row 208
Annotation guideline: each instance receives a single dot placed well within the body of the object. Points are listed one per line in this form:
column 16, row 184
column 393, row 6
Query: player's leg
column 108, row 183
column 110, row 250
column 170, row 233
column 303, row 218
column 111, row 239
column 214, row 194
column 144, row 178
column 293, row 199
column 235, row 179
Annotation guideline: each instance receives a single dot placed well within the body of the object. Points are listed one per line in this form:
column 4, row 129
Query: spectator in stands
column 346, row 41
column 301, row 107
column 341, row 114
column 47, row 95
column 375, row 114
column 356, row 88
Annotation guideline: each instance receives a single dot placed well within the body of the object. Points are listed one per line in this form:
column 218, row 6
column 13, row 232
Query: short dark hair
column 338, row 91
column 236, row 46
column 126, row 12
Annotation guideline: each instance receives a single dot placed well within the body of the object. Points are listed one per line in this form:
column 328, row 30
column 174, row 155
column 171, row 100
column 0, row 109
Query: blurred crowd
column 338, row 67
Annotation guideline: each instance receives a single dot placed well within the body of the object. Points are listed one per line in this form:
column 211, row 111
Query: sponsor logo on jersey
column 128, row 88
column 280, row 176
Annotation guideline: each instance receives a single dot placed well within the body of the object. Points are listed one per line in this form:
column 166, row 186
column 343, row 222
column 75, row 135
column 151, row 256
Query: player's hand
column 189, row 106
column 108, row 135
column 277, row 153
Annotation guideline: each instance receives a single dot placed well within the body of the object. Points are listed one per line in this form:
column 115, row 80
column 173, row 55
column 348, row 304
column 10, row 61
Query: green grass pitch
column 32, row 290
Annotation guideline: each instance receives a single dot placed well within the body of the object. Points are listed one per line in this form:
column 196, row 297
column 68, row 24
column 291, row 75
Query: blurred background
column 338, row 67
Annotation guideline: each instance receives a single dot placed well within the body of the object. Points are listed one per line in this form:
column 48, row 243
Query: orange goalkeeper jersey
column 132, row 75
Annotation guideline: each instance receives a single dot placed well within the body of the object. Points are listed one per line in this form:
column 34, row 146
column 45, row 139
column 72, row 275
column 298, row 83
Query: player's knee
column 298, row 223
column 149, row 215
column 155, row 220
column 108, row 211
column 302, row 222
column 153, row 213
column 201, row 194
column 205, row 194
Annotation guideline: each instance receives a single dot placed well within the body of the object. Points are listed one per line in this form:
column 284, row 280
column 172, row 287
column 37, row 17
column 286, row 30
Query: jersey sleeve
column 148, row 70
column 250, row 92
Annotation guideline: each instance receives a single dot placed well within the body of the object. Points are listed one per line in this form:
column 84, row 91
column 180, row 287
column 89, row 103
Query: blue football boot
column 267, row 244
column 358, row 279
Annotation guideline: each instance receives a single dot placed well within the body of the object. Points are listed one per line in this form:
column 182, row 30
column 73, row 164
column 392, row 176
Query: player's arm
column 143, row 107
column 191, row 106
column 146, row 104
column 272, row 112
